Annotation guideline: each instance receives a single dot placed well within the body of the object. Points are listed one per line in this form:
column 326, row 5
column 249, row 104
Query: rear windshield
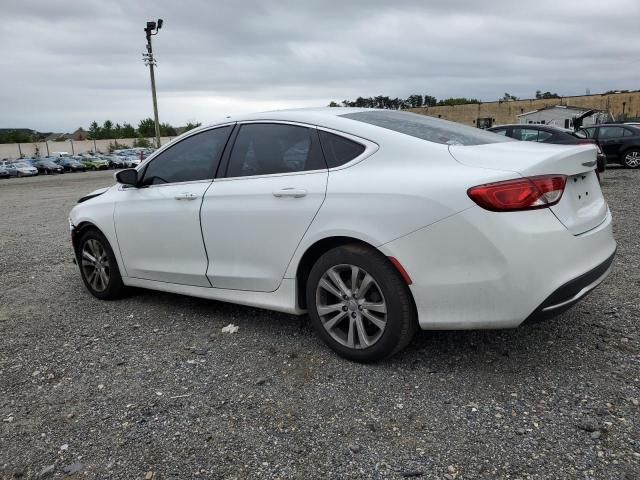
column 427, row 128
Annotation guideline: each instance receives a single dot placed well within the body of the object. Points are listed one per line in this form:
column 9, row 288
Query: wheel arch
column 315, row 251
column 78, row 230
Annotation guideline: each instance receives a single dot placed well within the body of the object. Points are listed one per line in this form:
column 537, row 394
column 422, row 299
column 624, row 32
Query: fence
column 74, row 147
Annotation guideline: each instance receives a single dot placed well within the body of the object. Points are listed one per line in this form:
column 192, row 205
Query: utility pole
column 150, row 61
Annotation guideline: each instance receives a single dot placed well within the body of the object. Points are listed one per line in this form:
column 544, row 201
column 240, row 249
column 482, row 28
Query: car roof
column 329, row 117
column 610, row 125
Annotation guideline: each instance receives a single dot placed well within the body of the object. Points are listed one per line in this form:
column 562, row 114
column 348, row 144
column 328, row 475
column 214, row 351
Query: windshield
column 427, row 128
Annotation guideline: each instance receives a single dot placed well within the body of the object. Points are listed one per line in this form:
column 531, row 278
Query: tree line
column 16, row 136
column 416, row 101
column 146, row 129
column 412, row 101
column 105, row 131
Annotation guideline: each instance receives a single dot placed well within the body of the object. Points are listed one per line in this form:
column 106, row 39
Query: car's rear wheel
column 359, row 303
column 631, row 158
column 98, row 266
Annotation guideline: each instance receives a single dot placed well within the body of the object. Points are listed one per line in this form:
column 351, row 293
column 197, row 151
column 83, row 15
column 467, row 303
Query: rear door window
column 339, row 150
column 271, row 148
column 544, row 136
column 611, row 132
column 525, row 134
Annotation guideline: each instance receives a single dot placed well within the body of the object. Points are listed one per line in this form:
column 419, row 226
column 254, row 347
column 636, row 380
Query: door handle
column 290, row 192
column 186, row 196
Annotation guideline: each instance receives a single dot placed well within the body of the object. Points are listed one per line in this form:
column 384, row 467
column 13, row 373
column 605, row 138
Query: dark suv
column 548, row 134
column 620, row 143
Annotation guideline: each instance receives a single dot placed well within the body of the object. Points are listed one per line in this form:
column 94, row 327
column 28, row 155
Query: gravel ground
column 150, row 388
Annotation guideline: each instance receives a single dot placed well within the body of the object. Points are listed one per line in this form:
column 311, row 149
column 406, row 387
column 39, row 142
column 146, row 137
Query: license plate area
column 582, row 206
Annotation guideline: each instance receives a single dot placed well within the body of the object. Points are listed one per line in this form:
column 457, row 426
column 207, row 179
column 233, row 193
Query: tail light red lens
column 527, row 193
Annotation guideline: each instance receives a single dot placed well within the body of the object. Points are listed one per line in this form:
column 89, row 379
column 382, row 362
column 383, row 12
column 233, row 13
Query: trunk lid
column 582, row 206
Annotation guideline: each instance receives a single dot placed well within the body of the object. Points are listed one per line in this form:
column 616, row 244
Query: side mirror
column 128, row 176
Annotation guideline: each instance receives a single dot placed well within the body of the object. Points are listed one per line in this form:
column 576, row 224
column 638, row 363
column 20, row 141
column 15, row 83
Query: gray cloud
column 66, row 63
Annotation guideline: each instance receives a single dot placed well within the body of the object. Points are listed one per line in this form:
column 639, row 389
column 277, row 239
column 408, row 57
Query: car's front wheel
column 98, row 266
column 631, row 159
column 359, row 303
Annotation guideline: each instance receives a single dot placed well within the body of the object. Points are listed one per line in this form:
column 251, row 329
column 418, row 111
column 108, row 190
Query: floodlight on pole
column 149, row 60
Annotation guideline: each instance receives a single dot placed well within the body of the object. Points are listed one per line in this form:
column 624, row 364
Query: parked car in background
column 114, row 161
column 71, row 165
column 21, row 169
column 94, row 163
column 101, row 163
column 620, row 143
column 26, row 160
column 375, row 222
column 4, row 173
column 548, row 134
column 47, row 166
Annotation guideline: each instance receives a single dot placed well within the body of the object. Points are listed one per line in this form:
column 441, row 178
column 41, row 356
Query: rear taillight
column 527, row 193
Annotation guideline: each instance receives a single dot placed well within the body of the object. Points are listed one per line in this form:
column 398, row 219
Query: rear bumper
column 571, row 292
column 486, row 270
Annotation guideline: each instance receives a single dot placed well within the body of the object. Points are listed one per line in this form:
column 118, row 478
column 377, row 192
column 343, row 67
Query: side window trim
column 142, row 168
column 224, row 163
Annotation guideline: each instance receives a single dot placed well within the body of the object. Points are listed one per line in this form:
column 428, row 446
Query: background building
column 565, row 116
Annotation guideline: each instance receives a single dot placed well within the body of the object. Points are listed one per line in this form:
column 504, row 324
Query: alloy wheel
column 632, row 159
column 351, row 306
column 95, row 265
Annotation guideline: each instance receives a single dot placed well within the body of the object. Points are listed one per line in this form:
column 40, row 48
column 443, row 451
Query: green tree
column 333, row 104
column 147, row 128
column 128, row 131
column 94, row 131
column 191, row 124
column 508, row 97
column 117, row 131
column 458, row 101
column 415, row 101
column 107, row 129
column 430, row 101
column 540, row 95
column 167, row 130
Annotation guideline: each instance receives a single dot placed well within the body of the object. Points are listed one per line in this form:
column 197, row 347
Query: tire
column 340, row 322
column 631, row 158
column 93, row 244
column 19, row 175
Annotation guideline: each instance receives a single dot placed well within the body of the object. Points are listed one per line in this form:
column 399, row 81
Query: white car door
column 254, row 215
column 158, row 223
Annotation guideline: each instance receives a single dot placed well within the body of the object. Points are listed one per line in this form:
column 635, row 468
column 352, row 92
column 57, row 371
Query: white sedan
column 375, row 222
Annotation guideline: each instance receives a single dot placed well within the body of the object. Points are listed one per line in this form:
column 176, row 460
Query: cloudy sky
column 66, row 63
